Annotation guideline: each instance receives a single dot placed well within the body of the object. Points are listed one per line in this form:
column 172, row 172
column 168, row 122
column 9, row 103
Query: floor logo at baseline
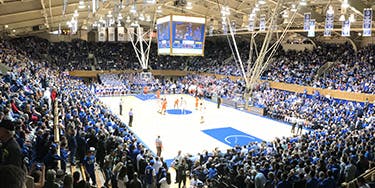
column 231, row 136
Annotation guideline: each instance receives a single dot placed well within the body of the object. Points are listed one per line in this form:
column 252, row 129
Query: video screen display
column 181, row 35
column 164, row 35
column 188, row 35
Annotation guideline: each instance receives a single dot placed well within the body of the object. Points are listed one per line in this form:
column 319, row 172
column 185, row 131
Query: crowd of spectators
column 351, row 71
column 90, row 134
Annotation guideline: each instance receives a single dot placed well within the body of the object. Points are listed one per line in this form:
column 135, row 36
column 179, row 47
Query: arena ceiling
column 21, row 17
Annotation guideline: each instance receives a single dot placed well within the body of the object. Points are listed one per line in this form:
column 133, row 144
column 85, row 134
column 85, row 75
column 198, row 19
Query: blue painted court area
column 179, row 112
column 231, row 136
column 145, row 97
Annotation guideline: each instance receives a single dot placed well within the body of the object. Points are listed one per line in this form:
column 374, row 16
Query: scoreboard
column 181, row 35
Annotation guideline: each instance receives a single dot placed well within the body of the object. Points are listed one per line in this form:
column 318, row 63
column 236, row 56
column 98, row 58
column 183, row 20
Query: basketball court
column 182, row 129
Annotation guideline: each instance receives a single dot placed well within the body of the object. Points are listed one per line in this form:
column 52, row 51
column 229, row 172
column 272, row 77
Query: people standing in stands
column 12, row 177
column 89, row 163
column 181, row 173
column 150, row 175
column 135, row 182
column 159, row 146
column 131, row 115
column 120, row 107
column 300, row 126
column 293, row 128
column 10, row 149
column 218, row 101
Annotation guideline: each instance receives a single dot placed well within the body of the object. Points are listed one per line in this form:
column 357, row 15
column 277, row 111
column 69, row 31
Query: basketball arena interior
column 187, row 93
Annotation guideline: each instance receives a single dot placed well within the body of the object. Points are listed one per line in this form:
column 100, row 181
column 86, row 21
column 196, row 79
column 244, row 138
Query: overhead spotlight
column 262, row 2
column 189, row 6
column 345, row 4
column 81, row 4
column 142, row 17
column 133, row 9
column 303, row 2
column 159, row 10
column 6, row 26
column 225, row 11
column 150, row 1
column 352, row 18
column 14, row 30
column 285, row 14
column 330, row 10
column 119, row 17
column 294, row 8
column 128, row 19
column 148, row 18
column 109, row 15
column 76, row 14
column 342, row 18
column 256, row 8
column 134, row 24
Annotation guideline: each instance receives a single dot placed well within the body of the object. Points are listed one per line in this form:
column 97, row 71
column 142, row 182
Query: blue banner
column 329, row 23
column 345, row 28
column 311, row 32
column 262, row 23
column 367, row 19
column 306, row 23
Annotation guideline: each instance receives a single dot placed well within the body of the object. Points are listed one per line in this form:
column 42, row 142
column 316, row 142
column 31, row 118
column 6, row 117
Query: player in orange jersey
column 158, row 94
column 164, row 106
column 176, row 103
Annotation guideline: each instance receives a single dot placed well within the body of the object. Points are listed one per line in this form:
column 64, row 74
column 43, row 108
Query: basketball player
column 176, row 103
column 183, row 105
column 164, row 106
column 201, row 109
column 196, row 102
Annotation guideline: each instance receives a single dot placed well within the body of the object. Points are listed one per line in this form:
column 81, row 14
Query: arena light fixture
column 352, row 18
column 119, row 17
column 76, row 14
column 142, row 17
column 262, row 2
column 133, row 9
column 256, row 8
column 6, row 26
column 294, row 8
column 330, row 10
column 81, row 4
column 345, row 4
column 109, row 15
column 303, row 2
column 342, row 18
column 128, row 19
column 189, row 5
column 148, row 18
column 285, row 13
column 159, row 10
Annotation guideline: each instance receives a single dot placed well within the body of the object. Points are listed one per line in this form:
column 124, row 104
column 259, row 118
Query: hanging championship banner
column 345, row 28
column 329, row 24
column 120, row 34
column 130, row 34
column 111, row 34
column 102, row 34
column 367, row 19
column 251, row 25
column 311, row 32
column 306, row 21
column 262, row 23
